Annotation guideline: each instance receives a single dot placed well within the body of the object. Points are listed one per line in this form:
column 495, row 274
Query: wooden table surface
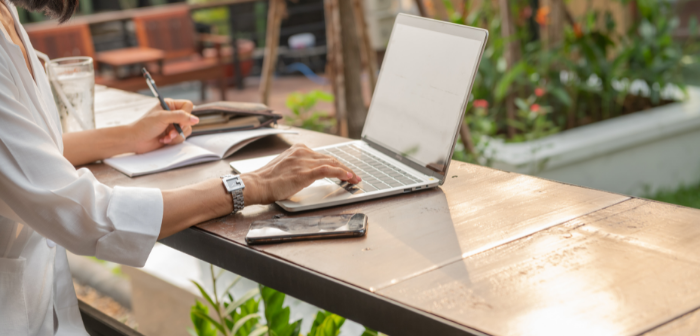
column 488, row 252
column 129, row 56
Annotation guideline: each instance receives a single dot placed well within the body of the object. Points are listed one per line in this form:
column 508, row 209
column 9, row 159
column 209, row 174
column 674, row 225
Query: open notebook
column 203, row 148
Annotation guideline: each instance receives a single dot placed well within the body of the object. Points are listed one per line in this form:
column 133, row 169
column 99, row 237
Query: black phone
column 278, row 230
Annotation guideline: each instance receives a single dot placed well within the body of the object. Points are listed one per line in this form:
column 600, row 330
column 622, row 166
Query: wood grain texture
column 478, row 208
column 688, row 324
column 619, row 271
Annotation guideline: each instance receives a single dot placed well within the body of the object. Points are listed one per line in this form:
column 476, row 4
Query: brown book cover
column 232, row 116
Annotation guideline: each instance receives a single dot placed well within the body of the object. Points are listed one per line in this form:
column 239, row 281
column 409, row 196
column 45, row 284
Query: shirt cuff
column 137, row 214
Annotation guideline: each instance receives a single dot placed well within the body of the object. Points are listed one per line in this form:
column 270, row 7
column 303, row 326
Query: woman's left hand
column 156, row 129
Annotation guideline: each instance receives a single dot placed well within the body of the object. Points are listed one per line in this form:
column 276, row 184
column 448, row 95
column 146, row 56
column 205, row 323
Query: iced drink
column 76, row 77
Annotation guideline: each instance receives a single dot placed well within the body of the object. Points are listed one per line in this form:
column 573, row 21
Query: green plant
column 585, row 77
column 241, row 317
column 276, row 316
column 651, row 52
column 532, row 120
column 233, row 317
column 326, row 324
column 304, row 113
column 685, row 195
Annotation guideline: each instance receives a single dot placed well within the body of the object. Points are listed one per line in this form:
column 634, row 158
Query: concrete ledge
column 633, row 154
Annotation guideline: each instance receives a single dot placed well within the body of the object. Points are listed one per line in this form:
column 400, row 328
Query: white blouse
column 44, row 199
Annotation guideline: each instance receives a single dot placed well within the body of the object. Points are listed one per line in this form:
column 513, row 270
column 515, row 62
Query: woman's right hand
column 290, row 172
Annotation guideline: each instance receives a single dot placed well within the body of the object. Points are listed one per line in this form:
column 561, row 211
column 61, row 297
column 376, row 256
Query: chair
column 173, row 31
column 74, row 39
column 63, row 41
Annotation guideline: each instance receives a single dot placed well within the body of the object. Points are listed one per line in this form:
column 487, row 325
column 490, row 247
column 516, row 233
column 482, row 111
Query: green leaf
column 369, row 332
column 277, row 317
column 247, row 296
column 202, row 325
column 204, row 293
column 242, row 321
column 250, row 307
column 561, row 95
column 326, row 324
column 210, row 320
column 259, row 331
column 320, row 317
column 503, row 86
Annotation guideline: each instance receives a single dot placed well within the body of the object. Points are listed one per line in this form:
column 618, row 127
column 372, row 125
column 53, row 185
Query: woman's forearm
column 89, row 146
column 200, row 202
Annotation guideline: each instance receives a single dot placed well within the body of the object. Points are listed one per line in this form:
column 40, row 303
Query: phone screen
column 289, row 229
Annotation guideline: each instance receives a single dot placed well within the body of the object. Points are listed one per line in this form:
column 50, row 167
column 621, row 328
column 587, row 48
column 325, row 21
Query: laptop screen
column 421, row 93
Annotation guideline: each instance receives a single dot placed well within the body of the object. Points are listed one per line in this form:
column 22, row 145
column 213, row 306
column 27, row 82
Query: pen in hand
column 154, row 90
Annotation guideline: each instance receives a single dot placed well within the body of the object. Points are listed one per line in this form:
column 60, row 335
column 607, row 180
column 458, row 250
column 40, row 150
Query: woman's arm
column 151, row 132
column 290, row 172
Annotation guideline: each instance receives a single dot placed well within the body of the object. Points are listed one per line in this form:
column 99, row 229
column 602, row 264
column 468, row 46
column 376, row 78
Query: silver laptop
column 413, row 120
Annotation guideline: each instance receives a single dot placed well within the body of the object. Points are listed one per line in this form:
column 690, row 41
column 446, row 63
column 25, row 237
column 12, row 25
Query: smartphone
column 304, row 228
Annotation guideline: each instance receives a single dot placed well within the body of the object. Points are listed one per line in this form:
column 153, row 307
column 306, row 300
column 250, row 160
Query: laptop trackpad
column 322, row 191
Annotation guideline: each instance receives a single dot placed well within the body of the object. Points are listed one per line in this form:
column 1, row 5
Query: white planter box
column 636, row 154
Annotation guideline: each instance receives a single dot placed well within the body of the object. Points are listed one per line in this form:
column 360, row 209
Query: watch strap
column 236, row 192
column 238, row 202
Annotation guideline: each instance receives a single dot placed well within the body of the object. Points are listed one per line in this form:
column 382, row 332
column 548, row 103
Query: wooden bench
column 172, row 31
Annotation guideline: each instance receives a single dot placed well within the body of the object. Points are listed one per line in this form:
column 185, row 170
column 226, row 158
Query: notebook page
column 225, row 144
column 168, row 157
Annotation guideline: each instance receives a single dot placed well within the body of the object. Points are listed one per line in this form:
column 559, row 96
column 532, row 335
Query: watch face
column 233, row 183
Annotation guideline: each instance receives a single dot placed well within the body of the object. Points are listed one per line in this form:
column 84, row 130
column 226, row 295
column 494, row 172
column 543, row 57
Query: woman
column 47, row 206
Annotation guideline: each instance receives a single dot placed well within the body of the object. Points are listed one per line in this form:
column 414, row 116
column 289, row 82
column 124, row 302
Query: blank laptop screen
column 421, row 93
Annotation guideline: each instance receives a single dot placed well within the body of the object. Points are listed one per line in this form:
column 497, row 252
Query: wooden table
column 131, row 56
column 490, row 252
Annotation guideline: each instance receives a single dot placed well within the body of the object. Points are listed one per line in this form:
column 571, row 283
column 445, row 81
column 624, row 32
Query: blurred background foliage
column 305, row 113
column 594, row 72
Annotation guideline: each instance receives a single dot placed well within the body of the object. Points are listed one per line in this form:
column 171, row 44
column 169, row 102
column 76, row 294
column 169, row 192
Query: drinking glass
column 76, row 77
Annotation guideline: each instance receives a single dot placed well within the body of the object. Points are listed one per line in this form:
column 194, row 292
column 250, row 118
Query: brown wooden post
column 352, row 68
column 274, row 22
column 553, row 32
column 421, row 8
column 512, row 54
column 466, row 136
column 335, row 64
column 368, row 56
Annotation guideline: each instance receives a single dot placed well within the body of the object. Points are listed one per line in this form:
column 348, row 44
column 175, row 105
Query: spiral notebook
column 195, row 150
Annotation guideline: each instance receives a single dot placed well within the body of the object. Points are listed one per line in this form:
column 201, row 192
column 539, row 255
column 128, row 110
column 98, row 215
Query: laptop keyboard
column 376, row 173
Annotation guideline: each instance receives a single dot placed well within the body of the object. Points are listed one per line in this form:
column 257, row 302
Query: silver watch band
column 234, row 185
column 238, row 202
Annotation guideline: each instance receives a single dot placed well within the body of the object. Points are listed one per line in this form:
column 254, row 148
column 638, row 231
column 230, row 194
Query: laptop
column 413, row 121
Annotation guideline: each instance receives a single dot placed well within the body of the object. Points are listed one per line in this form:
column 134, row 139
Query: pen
column 154, row 89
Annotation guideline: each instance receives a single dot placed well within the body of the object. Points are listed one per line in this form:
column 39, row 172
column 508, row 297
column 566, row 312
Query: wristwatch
column 234, row 185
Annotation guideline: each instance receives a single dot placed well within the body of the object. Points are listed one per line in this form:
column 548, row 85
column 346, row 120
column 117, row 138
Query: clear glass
column 76, row 75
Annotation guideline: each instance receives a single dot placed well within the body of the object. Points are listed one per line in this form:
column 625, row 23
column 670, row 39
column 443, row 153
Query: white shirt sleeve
column 63, row 204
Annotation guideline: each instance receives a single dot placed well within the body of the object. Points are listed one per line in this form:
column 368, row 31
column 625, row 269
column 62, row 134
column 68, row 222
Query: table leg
column 234, row 45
